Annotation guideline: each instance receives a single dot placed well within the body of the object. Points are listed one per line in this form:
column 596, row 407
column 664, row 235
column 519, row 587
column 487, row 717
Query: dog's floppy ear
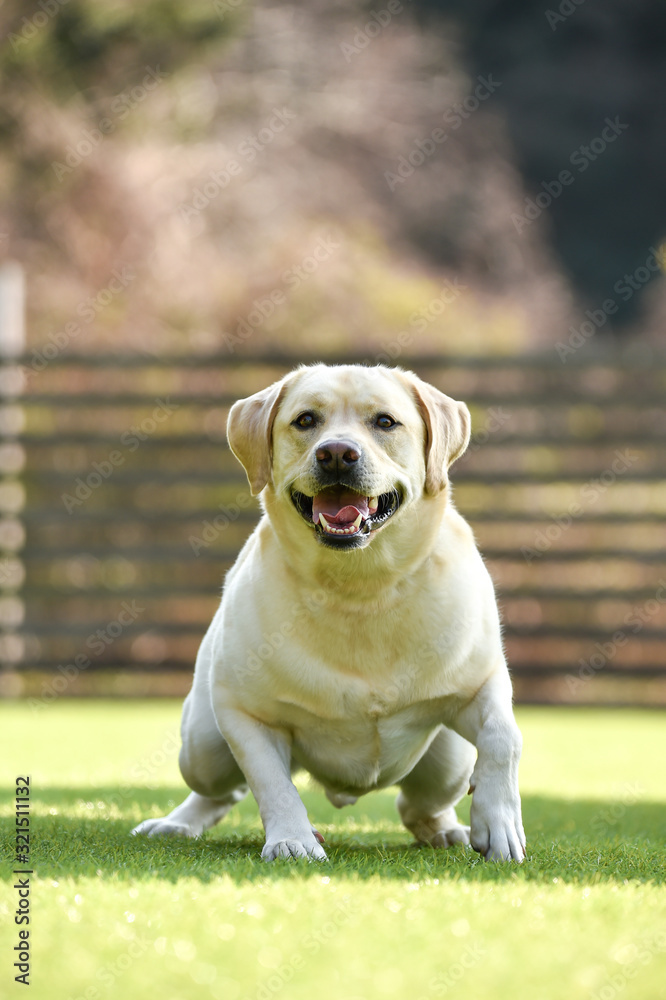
column 448, row 424
column 250, row 433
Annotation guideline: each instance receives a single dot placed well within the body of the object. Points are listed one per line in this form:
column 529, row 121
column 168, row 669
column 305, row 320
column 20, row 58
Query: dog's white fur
column 377, row 666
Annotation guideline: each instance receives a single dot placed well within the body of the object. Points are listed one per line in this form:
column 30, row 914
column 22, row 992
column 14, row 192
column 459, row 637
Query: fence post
column 12, row 460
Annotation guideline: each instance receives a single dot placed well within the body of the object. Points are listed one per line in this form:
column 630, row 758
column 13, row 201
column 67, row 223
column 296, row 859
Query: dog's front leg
column 264, row 756
column 488, row 722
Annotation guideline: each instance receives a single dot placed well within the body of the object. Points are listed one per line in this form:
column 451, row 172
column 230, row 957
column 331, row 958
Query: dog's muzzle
column 342, row 517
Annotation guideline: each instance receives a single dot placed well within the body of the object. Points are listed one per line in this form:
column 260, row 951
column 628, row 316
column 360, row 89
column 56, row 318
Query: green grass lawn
column 114, row 916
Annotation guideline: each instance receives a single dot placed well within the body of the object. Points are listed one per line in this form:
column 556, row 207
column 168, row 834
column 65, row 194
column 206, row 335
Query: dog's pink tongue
column 340, row 506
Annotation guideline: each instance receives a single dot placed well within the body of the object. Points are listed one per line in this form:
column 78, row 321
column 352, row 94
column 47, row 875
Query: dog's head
column 349, row 449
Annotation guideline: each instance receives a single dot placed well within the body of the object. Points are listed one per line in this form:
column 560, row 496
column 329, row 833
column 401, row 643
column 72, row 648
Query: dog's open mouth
column 340, row 513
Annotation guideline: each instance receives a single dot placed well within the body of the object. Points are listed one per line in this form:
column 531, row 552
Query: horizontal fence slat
column 173, row 553
column 188, row 628
column 177, row 590
column 639, row 357
column 498, row 439
column 527, row 670
column 492, row 517
column 206, row 477
column 484, row 399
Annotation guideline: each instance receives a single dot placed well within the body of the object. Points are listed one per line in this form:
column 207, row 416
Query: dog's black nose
column 334, row 456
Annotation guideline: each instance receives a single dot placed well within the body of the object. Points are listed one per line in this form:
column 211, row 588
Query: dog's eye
column 385, row 421
column 305, row 420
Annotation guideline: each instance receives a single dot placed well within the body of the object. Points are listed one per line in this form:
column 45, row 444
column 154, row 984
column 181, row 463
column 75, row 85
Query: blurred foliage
column 565, row 69
column 120, row 124
column 84, row 46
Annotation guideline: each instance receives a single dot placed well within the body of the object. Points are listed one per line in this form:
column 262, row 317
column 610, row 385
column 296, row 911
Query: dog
column 358, row 635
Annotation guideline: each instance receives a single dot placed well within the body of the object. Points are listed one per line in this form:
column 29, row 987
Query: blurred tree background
column 122, row 125
column 565, row 70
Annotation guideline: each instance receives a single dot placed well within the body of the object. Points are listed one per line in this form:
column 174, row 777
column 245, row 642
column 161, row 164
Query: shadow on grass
column 582, row 841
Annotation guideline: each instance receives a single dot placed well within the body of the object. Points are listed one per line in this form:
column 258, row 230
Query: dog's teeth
column 331, row 529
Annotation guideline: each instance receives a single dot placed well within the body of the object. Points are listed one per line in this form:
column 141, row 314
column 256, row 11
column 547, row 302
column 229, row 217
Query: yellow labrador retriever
column 358, row 635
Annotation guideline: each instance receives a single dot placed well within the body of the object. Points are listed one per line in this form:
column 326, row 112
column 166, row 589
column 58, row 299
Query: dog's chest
column 357, row 698
column 362, row 735
column 364, row 750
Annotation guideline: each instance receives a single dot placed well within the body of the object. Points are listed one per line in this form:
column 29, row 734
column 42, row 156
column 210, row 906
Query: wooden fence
column 121, row 507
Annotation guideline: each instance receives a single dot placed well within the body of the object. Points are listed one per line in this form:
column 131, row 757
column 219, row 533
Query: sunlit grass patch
column 135, row 917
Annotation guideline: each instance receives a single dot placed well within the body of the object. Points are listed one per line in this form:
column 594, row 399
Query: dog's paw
column 163, row 827
column 447, row 838
column 309, row 849
column 443, row 829
column 497, row 833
